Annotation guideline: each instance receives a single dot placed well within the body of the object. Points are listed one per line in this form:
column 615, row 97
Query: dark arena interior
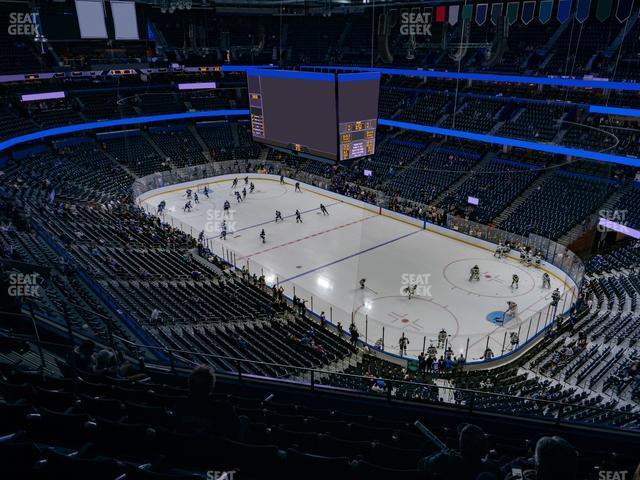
column 320, row 239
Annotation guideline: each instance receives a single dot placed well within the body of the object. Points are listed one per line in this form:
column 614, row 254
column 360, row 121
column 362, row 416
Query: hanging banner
column 512, row 12
column 441, row 14
column 624, row 9
column 481, row 13
column 454, row 11
column 564, row 10
column 546, row 7
column 467, row 12
column 603, row 9
column 496, row 12
column 582, row 10
column 528, row 11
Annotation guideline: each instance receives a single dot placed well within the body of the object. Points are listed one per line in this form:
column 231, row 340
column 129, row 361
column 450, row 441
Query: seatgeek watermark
column 217, row 219
column 221, row 474
column 24, row 285
column 416, row 23
column 415, row 284
column 616, row 216
column 613, row 475
column 23, row 24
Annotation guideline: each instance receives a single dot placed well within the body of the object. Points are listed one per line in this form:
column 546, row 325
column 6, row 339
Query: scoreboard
column 357, row 139
column 324, row 115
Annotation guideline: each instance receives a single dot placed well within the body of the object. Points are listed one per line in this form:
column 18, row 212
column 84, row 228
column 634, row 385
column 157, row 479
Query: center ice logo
column 415, row 285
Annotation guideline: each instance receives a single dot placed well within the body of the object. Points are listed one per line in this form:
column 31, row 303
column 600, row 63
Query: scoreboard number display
column 357, row 139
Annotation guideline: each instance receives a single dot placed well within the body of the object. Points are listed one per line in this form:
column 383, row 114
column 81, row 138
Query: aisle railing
column 316, row 378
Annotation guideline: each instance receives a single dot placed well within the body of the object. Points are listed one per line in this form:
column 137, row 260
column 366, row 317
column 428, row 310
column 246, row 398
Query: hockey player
column 298, row 187
column 488, row 354
column 226, row 207
column 523, row 256
column 410, row 291
column 499, row 250
column 475, row 273
column 442, row 338
column 298, row 217
column 555, row 297
column 353, row 331
column 223, row 230
column 188, row 193
column 529, row 259
column 201, row 236
column 279, row 216
column 362, row 283
column 263, row 236
column 252, row 187
column 432, row 351
column 323, row 209
column 238, row 196
column 402, row 343
column 537, row 259
column 246, row 181
column 514, row 340
column 512, row 309
column 195, row 198
column 546, row 280
column 514, row 281
column 161, row 207
column 235, row 183
column 281, row 179
column 206, row 191
column 244, row 193
column 187, row 206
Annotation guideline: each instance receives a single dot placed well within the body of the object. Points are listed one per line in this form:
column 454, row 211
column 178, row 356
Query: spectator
column 199, row 412
column 155, row 315
column 555, row 459
column 422, row 362
column 83, row 356
column 106, row 363
column 467, row 463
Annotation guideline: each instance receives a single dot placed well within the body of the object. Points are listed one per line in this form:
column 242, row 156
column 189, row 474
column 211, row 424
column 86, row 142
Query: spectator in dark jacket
column 467, row 463
column 84, row 356
column 555, row 459
column 200, row 413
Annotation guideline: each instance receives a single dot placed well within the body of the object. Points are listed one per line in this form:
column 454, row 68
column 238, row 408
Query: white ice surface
column 325, row 257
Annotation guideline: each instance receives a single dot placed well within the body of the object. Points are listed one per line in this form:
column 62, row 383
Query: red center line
column 307, row 237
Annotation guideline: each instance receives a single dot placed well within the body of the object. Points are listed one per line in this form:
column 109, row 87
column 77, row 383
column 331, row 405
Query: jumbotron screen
column 327, row 115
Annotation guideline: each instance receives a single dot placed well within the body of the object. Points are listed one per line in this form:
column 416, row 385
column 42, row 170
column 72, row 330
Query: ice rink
column 324, row 258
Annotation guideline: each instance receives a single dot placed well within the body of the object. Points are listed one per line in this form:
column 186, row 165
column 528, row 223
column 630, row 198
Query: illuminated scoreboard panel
column 357, row 139
column 257, row 119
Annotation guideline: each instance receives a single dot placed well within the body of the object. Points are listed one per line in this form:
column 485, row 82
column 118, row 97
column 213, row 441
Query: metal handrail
column 238, row 360
column 315, row 371
column 470, row 395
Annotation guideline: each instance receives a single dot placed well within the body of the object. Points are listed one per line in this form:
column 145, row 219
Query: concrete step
column 201, row 142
